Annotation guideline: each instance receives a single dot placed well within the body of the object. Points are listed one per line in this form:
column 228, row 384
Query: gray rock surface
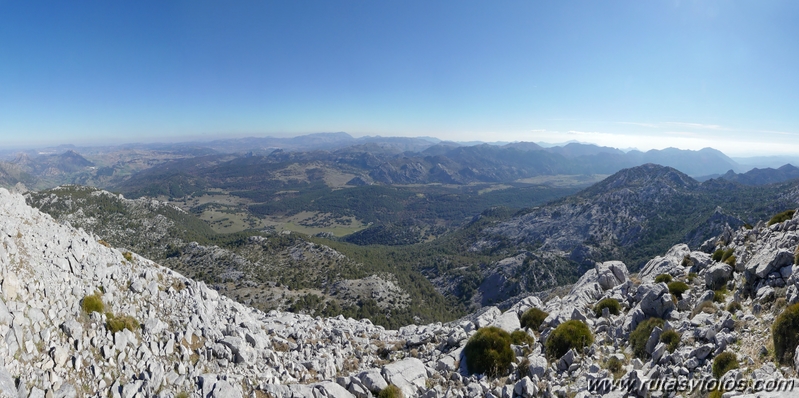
column 717, row 275
column 409, row 375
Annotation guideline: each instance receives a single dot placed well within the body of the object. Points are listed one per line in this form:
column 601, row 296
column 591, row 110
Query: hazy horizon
column 648, row 75
column 14, row 149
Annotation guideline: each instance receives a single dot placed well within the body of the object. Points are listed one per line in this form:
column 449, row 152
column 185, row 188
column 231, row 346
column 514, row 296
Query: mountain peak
column 648, row 175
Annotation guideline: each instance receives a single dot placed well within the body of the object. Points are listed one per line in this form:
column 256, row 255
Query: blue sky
column 645, row 74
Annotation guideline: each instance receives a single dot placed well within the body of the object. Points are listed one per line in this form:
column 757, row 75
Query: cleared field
column 227, row 222
column 564, row 180
column 310, row 223
column 493, row 188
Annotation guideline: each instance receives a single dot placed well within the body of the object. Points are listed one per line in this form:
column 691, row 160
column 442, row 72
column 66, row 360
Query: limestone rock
column 525, row 388
column 768, row 260
column 408, row 374
column 717, row 275
column 671, row 263
column 508, row 322
column 10, row 286
column 611, row 274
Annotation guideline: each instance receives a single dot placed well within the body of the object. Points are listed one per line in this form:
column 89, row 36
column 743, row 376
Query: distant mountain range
column 370, row 160
column 760, row 176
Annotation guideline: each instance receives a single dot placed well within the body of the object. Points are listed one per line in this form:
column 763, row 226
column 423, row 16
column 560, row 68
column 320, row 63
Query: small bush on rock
column 687, row 262
column 488, row 352
column 663, row 278
column 781, row 217
column 706, row 306
column 727, row 254
column 719, row 295
column 677, row 288
column 533, row 318
column 117, row 323
column 734, row 307
column 671, row 338
column 640, row 336
column 391, row 391
column 718, row 254
column 93, row 303
column 520, row 337
column 723, row 363
column 779, row 304
column 568, row 335
column 614, row 365
column 128, row 256
column 785, row 334
column 610, row 303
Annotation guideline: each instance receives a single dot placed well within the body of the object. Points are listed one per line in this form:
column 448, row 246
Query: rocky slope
column 265, row 271
column 194, row 342
column 630, row 216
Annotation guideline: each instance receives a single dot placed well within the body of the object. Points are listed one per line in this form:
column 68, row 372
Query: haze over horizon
column 648, row 75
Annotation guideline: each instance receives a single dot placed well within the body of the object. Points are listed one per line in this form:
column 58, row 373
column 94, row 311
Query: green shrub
column 691, row 276
column 706, row 307
column 533, row 318
column 781, row 217
column 727, row 254
column 687, row 262
column 488, row 352
column 614, row 365
column 785, row 334
column 715, row 394
column 663, row 278
column 730, row 260
column 779, row 304
column 610, row 303
column 723, row 363
column 128, row 256
column 671, row 338
column 718, row 254
column 391, row 391
column 640, row 336
column 568, row 335
column 734, row 307
column 677, row 288
column 117, row 323
column 93, row 303
column 520, row 337
column 719, row 295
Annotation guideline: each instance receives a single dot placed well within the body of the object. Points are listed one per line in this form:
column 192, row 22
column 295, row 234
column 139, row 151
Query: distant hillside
column 266, row 271
column 632, row 216
column 763, row 176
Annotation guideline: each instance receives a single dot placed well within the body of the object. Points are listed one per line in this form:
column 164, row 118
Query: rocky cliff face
column 191, row 341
